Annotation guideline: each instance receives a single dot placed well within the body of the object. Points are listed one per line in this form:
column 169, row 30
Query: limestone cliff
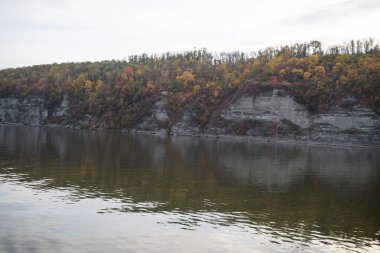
column 272, row 114
column 29, row 111
column 32, row 111
column 276, row 114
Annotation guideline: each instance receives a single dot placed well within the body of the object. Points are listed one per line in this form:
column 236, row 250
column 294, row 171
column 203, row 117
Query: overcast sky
column 47, row 31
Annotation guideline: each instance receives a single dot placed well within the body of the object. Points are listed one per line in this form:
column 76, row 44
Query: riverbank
column 237, row 138
column 254, row 139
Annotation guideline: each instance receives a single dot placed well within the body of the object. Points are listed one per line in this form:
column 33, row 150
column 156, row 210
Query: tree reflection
column 290, row 188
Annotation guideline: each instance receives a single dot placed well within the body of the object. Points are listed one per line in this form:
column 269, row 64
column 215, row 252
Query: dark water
column 77, row 191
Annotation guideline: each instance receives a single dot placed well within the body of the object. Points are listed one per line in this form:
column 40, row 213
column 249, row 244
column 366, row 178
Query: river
column 65, row 190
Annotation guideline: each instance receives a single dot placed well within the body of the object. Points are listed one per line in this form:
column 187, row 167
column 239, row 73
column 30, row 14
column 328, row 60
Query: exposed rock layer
column 271, row 114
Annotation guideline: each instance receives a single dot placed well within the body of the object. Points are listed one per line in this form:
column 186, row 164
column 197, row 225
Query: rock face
column 269, row 107
column 185, row 125
column 276, row 114
column 356, row 124
column 271, row 114
column 156, row 118
column 29, row 111
column 62, row 109
column 358, row 117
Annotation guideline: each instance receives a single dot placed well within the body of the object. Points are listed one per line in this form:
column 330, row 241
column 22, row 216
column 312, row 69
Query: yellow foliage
column 282, row 72
column 197, row 88
column 88, row 85
column 313, row 60
column 243, row 77
column 344, row 58
column 276, row 60
column 150, row 86
column 297, row 72
column 186, row 78
column 99, row 85
column 210, row 85
column 337, row 68
column 321, row 86
column 306, row 75
column 343, row 80
column 320, row 71
column 268, row 69
column 231, row 79
column 352, row 73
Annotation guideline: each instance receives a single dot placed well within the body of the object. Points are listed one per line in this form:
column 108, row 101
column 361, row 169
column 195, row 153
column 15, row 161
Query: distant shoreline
column 239, row 138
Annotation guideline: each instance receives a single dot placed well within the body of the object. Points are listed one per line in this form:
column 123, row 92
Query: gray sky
column 47, row 31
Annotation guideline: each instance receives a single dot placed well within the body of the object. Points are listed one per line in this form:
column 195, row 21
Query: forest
column 119, row 92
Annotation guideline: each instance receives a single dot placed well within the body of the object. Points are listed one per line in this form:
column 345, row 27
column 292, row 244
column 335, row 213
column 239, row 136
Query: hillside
column 292, row 91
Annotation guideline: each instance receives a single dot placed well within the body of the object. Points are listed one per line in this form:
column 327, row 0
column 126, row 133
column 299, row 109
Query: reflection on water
column 66, row 190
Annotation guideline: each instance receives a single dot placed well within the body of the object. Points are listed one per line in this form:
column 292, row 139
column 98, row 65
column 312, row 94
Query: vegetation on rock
column 119, row 93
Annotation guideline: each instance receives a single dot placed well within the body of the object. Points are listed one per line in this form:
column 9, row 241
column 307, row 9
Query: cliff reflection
column 329, row 190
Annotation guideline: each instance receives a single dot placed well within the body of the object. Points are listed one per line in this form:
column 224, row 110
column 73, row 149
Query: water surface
column 80, row 191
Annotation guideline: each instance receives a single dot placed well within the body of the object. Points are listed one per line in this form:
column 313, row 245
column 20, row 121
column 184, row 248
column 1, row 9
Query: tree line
column 118, row 92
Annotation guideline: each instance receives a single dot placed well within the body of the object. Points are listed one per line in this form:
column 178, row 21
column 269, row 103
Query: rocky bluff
column 272, row 114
